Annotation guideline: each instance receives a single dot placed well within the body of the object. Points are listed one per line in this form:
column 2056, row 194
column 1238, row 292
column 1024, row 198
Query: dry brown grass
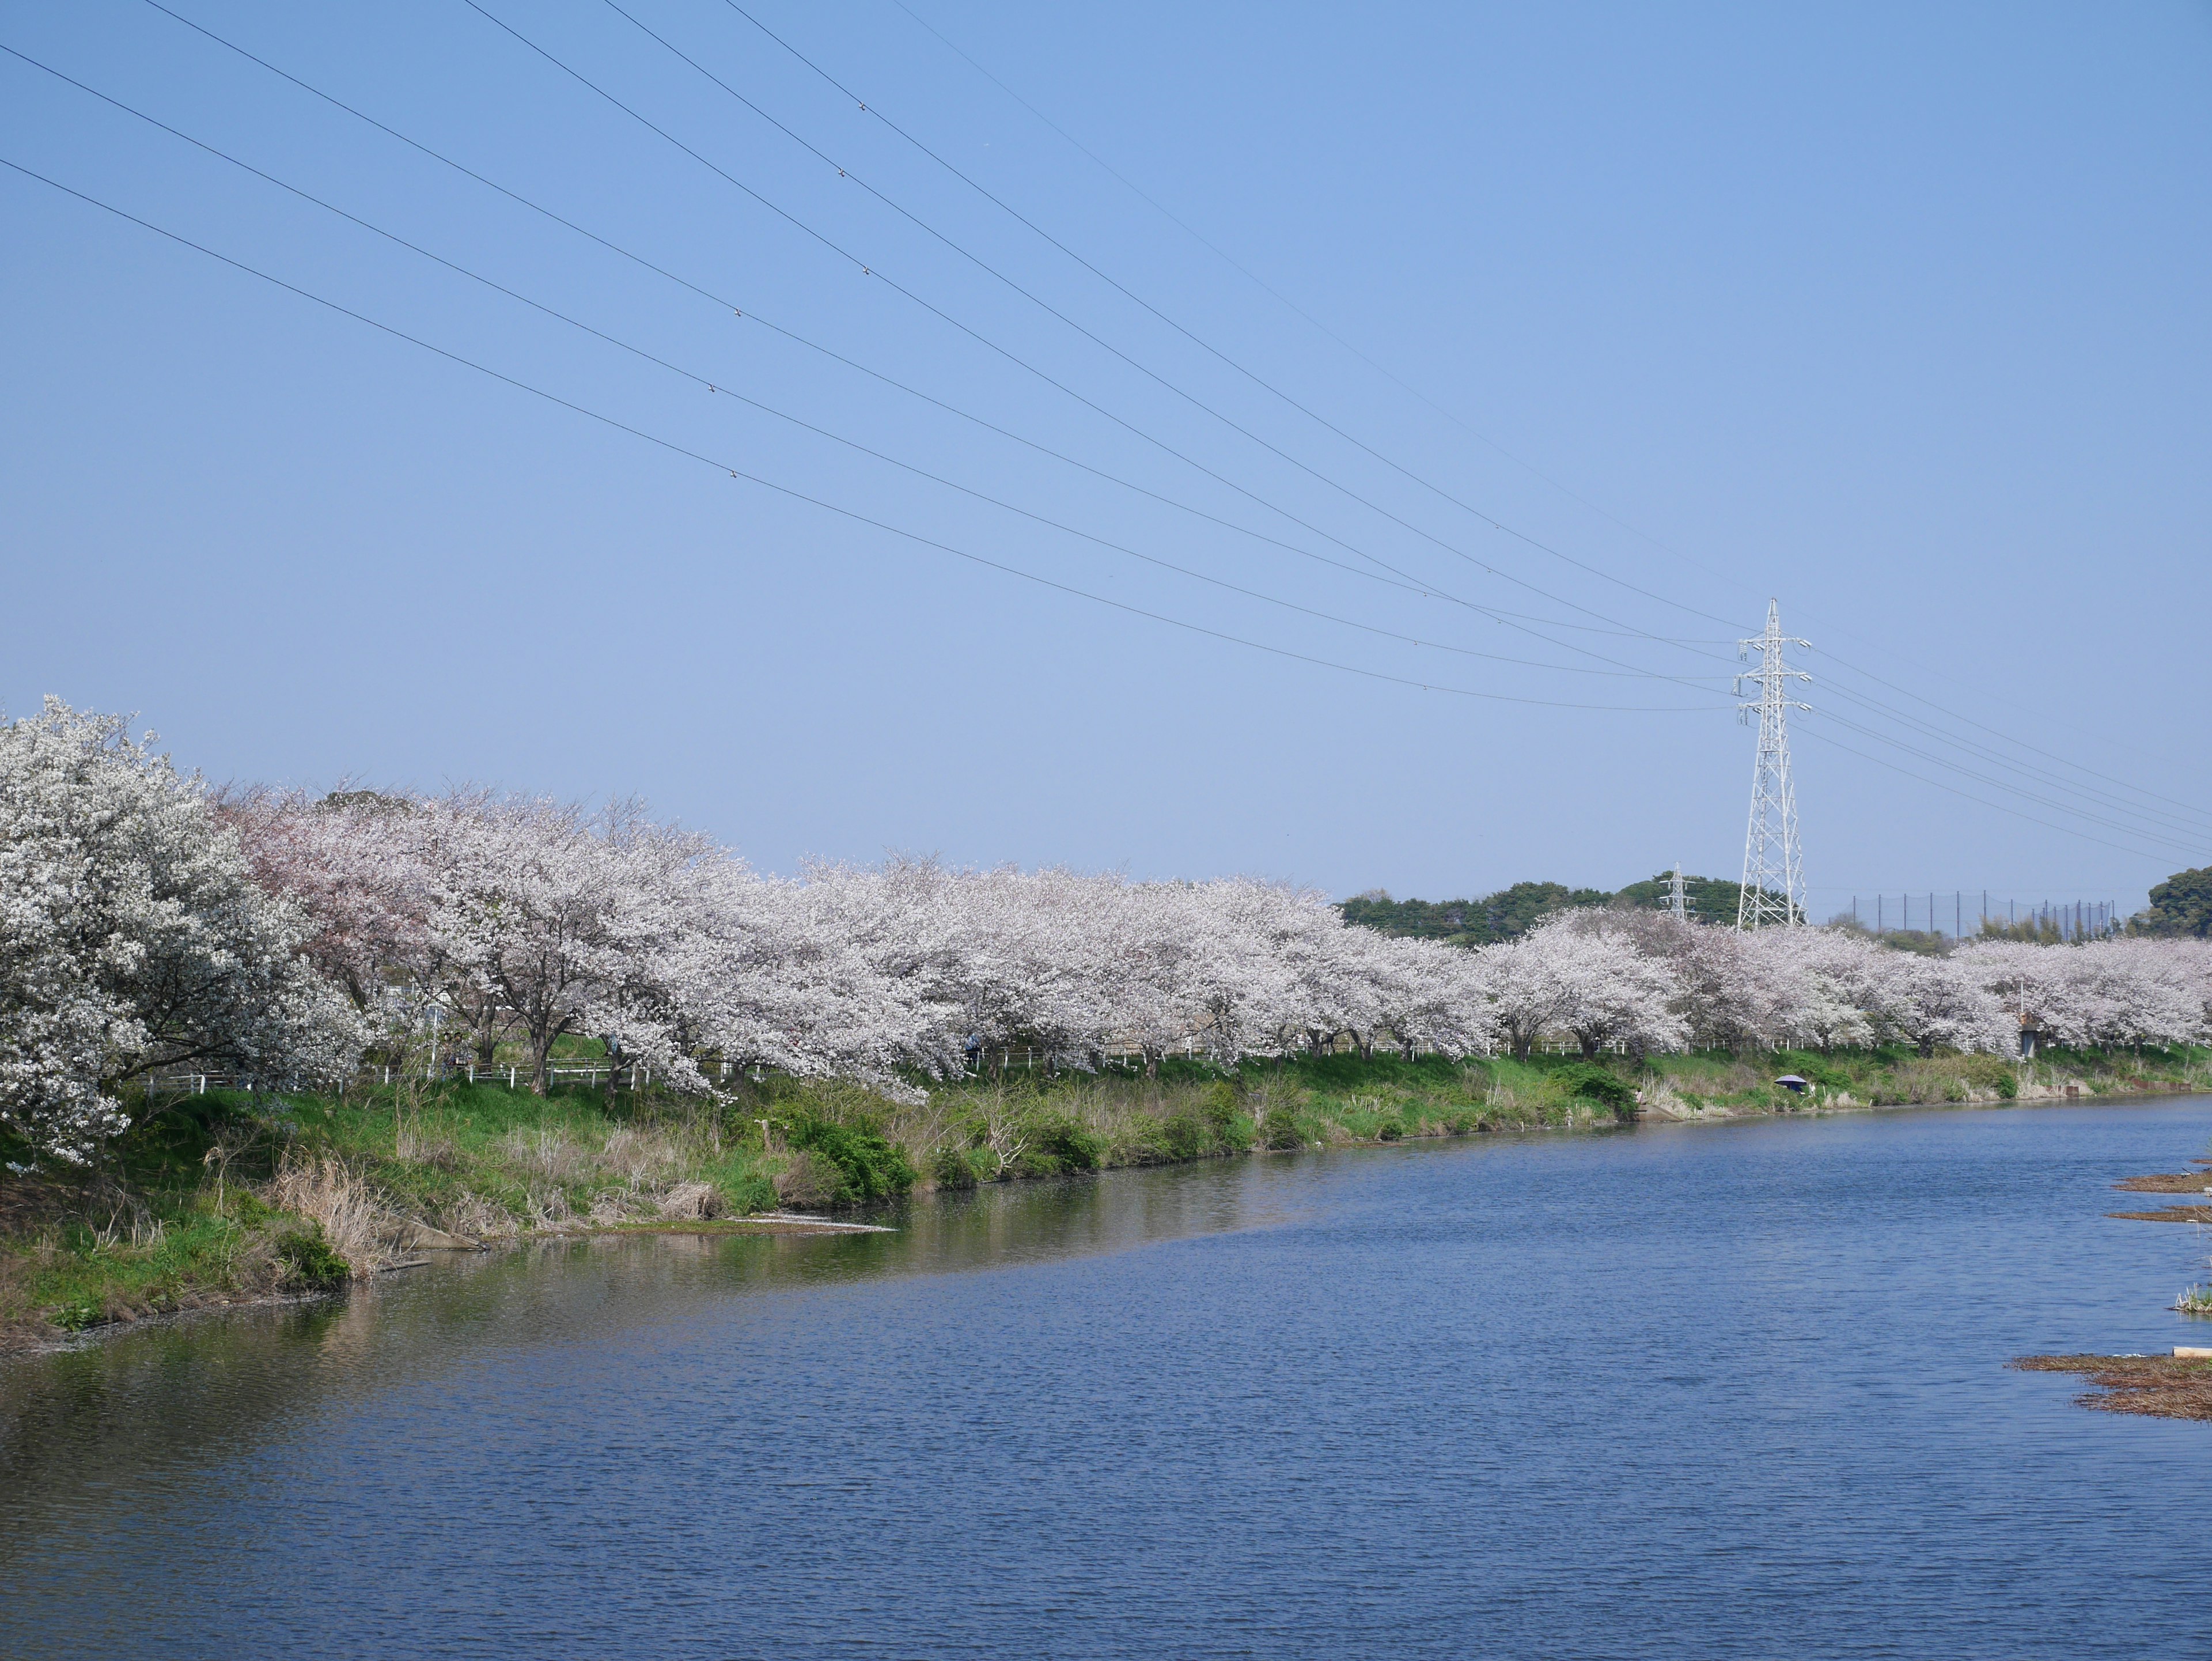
column 804, row 1182
column 2161, row 1386
column 2173, row 1213
column 477, row 1218
column 547, row 1152
column 643, row 1159
column 327, row 1191
column 2175, row 1181
column 692, row 1202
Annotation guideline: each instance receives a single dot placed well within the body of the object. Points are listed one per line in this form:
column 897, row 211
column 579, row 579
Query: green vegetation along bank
column 227, row 1197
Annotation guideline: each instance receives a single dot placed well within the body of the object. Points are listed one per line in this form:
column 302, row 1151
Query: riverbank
column 223, row 1198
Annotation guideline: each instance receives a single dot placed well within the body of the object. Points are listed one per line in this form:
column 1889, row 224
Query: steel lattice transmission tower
column 1678, row 901
column 1773, row 879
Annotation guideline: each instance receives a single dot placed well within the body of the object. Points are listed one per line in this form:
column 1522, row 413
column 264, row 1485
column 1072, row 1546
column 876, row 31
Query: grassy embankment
column 221, row 1197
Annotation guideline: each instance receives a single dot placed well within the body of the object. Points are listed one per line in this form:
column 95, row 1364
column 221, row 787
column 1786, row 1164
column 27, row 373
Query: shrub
column 749, row 1192
column 1991, row 1074
column 1059, row 1143
column 1586, row 1081
column 1185, row 1135
column 307, row 1259
column 1219, row 1106
column 951, row 1167
column 861, row 1164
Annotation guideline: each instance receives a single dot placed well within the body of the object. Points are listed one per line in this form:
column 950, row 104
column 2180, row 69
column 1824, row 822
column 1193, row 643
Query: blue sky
column 1895, row 312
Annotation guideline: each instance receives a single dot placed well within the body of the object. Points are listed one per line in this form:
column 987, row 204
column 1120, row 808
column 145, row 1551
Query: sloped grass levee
column 230, row 1196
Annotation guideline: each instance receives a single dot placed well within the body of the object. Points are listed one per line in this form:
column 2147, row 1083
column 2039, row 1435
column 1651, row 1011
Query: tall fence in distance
column 1962, row 913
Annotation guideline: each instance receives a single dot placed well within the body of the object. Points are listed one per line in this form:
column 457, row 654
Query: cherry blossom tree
column 767, row 975
column 2098, row 992
column 1428, row 996
column 134, row 937
column 1610, row 991
column 570, row 921
column 1930, row 1001
column 515, row 916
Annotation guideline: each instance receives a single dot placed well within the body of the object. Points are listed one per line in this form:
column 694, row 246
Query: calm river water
column 1695, row 1391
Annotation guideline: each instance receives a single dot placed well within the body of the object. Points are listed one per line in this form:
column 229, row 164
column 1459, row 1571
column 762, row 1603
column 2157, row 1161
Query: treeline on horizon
column 1512, row 912
column 2180, row 908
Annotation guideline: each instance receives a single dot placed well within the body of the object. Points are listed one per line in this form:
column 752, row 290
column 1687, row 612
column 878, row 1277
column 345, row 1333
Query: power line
column 1815, row 733
column 868, row 271
column 1129, row 294
column 2152, row 821
column 1254, row 278
column 2149, row 833
column 1508, row 619
column 721, row 388
column 2020, row 743
column 753, row 315
column 684, row 451
column 1405, row 580
column 1399, row 577
column 1273, row 293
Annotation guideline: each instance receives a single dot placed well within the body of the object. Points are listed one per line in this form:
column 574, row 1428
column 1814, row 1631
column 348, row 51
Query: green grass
column 178, row 1210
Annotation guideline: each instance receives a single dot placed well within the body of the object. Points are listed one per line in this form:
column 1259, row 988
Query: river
column 1684, row 1391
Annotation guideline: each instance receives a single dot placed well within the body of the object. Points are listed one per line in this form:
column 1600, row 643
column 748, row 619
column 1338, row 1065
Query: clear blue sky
column 1897, row 312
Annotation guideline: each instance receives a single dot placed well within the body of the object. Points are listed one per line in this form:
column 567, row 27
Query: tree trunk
column 1589, row 1047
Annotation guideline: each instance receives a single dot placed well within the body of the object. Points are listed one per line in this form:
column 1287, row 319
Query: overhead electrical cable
column 751, row 315
column 867, row 269
column 1403, row 580
column 2048, row 781
column 722, row 388
column 676, row 448
column 2147, row 833
column 1266, row 287
column 1807, row 730
column 2023, row 744
column 1406, row 582
column 952, row 46
column 1134, row 298
column 1522, row 622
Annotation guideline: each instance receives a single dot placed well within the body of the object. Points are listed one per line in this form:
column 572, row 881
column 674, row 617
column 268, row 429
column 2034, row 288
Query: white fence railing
column 993, row 1058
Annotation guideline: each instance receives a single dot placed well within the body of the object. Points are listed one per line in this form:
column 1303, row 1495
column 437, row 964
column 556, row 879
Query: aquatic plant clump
column 2159, row 1386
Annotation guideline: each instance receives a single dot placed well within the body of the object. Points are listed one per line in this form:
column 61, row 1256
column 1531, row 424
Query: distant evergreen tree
column 1711, row 899
column 2182, row 904
column 1504, row 915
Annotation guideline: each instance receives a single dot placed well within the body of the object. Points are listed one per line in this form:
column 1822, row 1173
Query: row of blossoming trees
column 150, row 923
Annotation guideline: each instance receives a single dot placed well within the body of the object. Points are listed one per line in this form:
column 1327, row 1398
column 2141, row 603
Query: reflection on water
column 189, row 1384
column 1695, row 1391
